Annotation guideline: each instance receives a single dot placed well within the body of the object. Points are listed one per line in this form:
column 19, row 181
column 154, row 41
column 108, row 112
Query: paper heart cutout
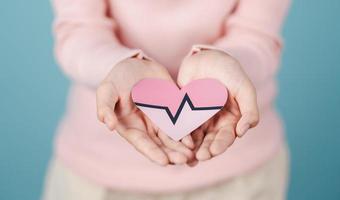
column 179, row 111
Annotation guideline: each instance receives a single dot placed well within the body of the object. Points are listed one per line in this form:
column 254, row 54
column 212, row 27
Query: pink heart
column 178, row 112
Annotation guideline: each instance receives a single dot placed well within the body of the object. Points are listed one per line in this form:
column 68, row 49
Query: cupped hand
column 240, row 112
column 116, row 109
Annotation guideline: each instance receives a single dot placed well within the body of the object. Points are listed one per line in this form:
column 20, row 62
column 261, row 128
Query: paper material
column 178, row 112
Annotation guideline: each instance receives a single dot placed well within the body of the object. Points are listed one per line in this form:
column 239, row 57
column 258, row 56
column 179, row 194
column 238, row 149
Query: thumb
column 184, row 76
column 107, row 97
column 247, row 102
column 186, row 70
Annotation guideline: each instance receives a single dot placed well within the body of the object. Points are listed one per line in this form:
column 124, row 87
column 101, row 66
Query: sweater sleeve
column 86, row 45
column 252, row 35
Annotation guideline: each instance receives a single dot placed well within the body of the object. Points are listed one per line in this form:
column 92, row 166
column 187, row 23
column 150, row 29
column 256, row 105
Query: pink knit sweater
column 93, row 35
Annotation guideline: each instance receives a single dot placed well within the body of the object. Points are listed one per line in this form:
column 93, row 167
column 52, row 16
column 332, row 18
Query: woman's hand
column 240, row 112
column 116, row 109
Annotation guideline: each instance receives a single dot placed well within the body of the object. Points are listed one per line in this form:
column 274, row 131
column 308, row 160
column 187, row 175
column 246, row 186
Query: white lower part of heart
column 187, row 121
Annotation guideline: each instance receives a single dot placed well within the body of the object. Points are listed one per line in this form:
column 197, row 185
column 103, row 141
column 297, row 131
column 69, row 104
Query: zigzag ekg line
column 186, row 98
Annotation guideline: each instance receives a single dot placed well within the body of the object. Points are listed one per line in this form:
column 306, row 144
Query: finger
column 110, row 121
column 223, row 139
column 155, row 138
column 197, row 137
column 107, row 98
column 175, row 157
column 192, row 163
column 174, row 145
column 247, row 102
column 203, row 152
column 188, row 142
column 144, row 145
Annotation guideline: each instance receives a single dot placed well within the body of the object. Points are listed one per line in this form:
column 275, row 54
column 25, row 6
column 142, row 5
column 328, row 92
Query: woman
column 105, row 47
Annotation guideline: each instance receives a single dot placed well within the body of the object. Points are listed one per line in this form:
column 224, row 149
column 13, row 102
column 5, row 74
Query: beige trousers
column 265, row 183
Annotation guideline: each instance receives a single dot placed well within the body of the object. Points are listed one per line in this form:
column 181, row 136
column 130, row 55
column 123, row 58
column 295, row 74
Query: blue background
column 33, row 96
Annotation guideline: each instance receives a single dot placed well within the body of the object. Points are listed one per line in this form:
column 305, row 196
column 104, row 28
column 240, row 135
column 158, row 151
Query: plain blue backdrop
column 33, row 96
